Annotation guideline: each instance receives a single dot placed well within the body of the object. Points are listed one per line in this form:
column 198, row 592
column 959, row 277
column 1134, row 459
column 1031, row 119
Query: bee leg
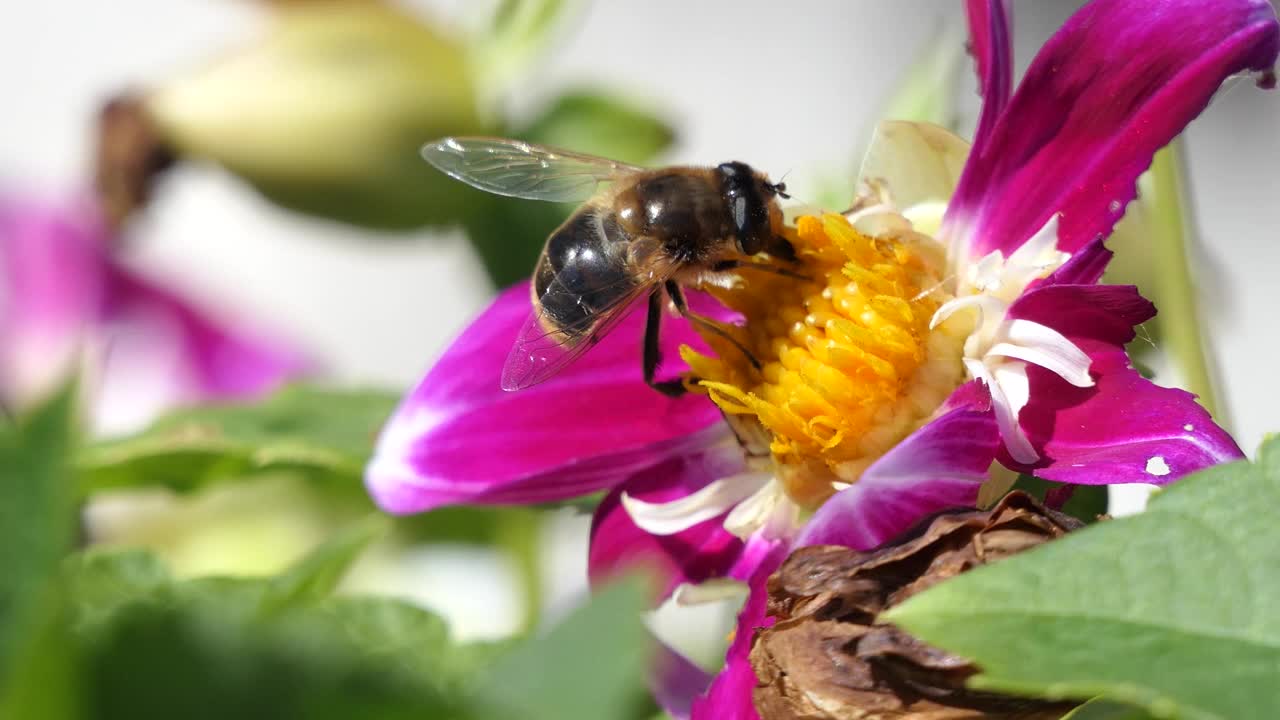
column 652, row 351
column 727, row 265
column 781, row 248
column 682, row 306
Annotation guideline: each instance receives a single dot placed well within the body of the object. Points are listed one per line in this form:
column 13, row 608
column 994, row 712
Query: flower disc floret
column 849, row 362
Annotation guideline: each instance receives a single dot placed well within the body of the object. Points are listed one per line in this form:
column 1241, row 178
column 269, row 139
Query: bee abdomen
column 583, row 271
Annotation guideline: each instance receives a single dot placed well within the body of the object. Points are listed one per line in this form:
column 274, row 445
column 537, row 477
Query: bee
column 641, row 233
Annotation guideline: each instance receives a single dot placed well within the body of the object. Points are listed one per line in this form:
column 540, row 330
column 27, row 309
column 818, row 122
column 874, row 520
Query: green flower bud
column 327, row 112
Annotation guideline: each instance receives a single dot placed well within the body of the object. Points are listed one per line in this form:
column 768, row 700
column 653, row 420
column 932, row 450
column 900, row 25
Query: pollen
column 848, row 365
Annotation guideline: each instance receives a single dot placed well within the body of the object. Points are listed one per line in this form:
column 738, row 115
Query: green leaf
column 158, row 648
column 100, row 581
column 509, row 234
column 37, row 507
column 37, row 525
column 1086, row 504
column 926, row 92
column 1155, row 246
column 417, row 641
column 600, row 124
column 315, row 576
column 1176, row 610
column 42, row 683
column 520, row 32
column 192, row 659
column 589, row 666
column 1107, row 710
column 324, row 435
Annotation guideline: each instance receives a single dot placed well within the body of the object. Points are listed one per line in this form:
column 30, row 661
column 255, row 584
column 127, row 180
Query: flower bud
column 326, row 114
column 827, row 657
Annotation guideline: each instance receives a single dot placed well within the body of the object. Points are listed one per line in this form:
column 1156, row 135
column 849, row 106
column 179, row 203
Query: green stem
column 520, row 536
column 1180, row 325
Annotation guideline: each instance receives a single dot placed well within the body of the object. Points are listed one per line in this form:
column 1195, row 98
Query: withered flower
column 827, row 657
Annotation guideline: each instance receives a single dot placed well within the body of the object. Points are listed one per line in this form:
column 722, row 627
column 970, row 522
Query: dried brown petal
column 826, row 658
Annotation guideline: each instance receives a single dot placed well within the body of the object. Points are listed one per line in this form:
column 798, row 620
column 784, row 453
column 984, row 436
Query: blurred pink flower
column 67, row 301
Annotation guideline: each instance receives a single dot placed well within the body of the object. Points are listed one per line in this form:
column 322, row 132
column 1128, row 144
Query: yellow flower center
column 849, row 364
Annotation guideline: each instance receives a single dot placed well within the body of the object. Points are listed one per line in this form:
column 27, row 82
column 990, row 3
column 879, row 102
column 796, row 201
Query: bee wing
column 539, row 354
column 523, row 170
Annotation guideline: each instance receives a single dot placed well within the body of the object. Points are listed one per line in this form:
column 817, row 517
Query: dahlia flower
column 949, row 328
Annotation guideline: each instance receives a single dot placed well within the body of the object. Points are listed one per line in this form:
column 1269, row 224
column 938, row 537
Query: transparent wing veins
column 539, row 354
column 523, row 170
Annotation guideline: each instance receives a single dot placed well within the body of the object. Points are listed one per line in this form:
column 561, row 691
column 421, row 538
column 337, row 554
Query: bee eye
column 780, row 189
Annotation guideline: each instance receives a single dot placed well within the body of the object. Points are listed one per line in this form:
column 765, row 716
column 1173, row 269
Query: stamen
column 849, row 361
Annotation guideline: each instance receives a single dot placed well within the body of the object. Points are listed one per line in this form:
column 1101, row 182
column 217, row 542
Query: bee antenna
column 780, row 187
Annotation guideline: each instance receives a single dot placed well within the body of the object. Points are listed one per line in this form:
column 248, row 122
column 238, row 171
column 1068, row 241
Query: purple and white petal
column 1113, row 86
column 990, row 25
column 730, row 694
column 1125, row 428
column 941, row 465
column 1104, row 314
column 1084, row 267
column 699, row 552
column 675, row 682
column 458, row 437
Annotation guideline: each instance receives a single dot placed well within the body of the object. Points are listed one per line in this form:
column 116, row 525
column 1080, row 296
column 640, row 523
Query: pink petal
column 458, row 437
column 730, row 694
column 52, row 272
column 1098, row 313
column 939, row 466
column 1085, row 266
column 1115, row 84
column 704, row 551
column 989, row 26
column 1125, row 428
column 158, row 337
column 65, row 294
column 676, row 682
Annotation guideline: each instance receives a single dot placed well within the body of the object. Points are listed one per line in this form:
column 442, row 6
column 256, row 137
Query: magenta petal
column 676, row 682
column 64, row 294
column 1125, row 429
column 154, row 336
column 989, row 25
column 458, row 437
column 941, row 465
column 1084, row 267
column 730, row 694
column 701, row 552
column 1114, row 85
column 1098, row 313
column 52, row 272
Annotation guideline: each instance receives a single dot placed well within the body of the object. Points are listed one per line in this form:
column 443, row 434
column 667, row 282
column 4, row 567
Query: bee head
column 748, row 197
